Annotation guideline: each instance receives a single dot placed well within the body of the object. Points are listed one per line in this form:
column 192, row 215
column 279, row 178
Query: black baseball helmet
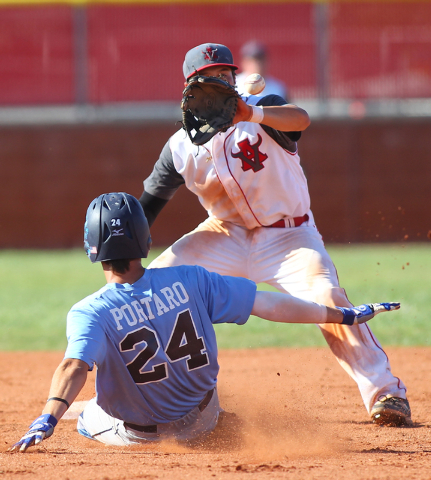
column 207, row 55
column 115, row 228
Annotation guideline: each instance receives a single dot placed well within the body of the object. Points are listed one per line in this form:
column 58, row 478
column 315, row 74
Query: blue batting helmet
column 115, row 228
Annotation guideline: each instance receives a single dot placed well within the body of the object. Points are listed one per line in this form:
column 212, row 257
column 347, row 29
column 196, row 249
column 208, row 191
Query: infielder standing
column 151, row 335
column 260, row 225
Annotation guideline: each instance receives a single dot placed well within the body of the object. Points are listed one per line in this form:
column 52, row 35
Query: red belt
column 290, row 222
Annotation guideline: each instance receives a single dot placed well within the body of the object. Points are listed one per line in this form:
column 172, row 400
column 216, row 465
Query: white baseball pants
column 96, row 424
column 293, row 260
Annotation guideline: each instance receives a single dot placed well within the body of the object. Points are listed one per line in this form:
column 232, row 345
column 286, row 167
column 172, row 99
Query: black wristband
column 348, row 317
column 59, row 400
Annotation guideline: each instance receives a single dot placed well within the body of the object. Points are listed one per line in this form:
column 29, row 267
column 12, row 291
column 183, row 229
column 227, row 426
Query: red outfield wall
column 108, row 53
column 370, row 181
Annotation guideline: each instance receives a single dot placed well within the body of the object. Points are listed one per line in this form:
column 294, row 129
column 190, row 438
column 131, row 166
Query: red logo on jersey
column 210, row 54
column 250, row 155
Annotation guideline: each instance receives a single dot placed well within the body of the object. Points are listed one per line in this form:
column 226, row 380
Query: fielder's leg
column 219, row 247
column 295, row 261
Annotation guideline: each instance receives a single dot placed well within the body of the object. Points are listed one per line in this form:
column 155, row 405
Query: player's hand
column 243, row 112
column 363, row 313
column 41, row 428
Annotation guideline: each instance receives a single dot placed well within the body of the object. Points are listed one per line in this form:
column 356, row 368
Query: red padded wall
column 36, row 55
column 135, row 52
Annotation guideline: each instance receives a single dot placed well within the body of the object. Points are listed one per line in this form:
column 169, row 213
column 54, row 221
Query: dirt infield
column 298, row 416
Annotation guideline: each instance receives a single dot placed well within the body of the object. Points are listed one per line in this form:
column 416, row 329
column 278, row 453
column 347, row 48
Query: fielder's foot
column 392, row 412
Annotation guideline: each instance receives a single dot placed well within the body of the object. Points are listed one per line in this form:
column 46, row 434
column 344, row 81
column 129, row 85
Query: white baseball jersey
column 239, row 175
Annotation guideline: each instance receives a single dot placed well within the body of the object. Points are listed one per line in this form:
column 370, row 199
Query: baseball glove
column 209, row 105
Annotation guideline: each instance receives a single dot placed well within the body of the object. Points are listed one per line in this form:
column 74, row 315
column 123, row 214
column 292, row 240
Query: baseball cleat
column 392, row 412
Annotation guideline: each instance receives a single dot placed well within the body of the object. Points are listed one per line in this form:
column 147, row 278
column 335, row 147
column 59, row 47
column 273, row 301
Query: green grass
column 368, row 273
column 37, row 288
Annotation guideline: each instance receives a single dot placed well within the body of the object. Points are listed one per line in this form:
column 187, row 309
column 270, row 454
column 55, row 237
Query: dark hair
column 118, row 266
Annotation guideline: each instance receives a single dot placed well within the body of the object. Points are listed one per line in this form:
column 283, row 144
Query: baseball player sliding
column 260, row 226
column 151, row 335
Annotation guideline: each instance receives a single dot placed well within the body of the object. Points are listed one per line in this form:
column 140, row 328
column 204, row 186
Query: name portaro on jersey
column 138, row 311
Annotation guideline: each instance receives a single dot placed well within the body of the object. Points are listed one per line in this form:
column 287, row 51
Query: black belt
column 153, row 428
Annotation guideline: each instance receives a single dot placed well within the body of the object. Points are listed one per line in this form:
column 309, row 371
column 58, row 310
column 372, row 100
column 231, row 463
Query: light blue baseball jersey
column 154, row 342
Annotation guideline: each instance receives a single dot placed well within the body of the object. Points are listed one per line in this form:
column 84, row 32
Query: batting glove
column 41, row 428
column 363, row 313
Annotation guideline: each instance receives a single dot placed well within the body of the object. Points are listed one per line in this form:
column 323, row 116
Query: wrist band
column 257, row 115
column 348, row 316
column 59, row 400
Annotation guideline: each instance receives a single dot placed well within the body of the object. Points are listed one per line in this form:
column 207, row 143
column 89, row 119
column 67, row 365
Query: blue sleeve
column 85, row 336
column 228, row 299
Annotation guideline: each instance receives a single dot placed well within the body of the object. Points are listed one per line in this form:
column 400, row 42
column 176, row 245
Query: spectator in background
column 254, row 59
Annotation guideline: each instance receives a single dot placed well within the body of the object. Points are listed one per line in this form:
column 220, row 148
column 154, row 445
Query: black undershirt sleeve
column 160, row 186
column 286, row 140
column 152, row 206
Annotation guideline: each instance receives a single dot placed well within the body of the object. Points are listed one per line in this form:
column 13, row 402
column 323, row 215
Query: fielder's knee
column 332, row 297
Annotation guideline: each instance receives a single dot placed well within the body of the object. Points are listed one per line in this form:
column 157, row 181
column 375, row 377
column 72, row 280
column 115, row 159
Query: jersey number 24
column 184, row 343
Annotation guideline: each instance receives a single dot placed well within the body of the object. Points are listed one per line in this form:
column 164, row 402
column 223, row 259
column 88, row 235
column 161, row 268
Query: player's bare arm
column 280, row 307
column 67, row 381
column 285, row 118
